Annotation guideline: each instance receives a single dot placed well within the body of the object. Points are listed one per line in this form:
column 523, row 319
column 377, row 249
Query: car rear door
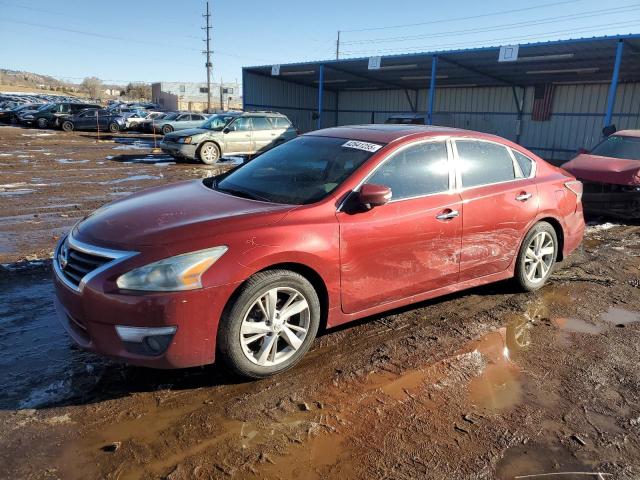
column 237, row 138
column 263, row 134
column 411, row 245
column 85, row 120
column 499, row 204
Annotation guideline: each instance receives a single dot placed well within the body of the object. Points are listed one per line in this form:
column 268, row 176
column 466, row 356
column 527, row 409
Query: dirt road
column 484, row 384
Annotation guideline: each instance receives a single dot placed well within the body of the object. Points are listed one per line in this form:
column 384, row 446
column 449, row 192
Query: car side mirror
column 226, row 130
column 372, row 195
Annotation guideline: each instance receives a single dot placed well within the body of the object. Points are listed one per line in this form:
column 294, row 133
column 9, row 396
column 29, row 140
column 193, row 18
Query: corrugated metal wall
column 576, row 121
column 298, row 102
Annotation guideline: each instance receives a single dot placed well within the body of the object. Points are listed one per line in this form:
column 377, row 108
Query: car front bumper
column 179, row 149
column 185, row 323
column 614, row 200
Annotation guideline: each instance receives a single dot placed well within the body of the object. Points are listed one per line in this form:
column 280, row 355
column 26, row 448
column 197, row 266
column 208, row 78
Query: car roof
column 387, row 133
column 628, row 133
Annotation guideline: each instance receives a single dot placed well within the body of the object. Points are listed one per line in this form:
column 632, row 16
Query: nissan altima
column 332, row 226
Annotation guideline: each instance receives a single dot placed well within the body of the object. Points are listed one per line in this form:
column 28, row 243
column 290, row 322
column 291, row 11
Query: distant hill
column 29, row 81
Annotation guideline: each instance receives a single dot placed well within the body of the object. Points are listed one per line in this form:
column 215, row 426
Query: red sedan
column 611, row 175
column 333, row 226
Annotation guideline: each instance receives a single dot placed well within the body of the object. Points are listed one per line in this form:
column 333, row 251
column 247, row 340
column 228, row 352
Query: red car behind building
column 335, row 225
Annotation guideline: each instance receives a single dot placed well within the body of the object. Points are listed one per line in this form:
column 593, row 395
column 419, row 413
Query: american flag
column 542, row 98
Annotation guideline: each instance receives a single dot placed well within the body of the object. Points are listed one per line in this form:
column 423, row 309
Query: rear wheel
column 167, row 129
column 42, row 123
column 270, row 325
column 67, row 126
column 209, row 153
column 537, row 256
column 114, row 127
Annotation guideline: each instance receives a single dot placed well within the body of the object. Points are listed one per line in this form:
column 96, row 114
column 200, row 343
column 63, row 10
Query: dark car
column 330, row 227
column 610, row 173
column 11, row 115
column 51, row 114
column 92, row 119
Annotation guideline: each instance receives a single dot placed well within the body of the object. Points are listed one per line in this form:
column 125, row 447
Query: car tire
column 42, row 123
column 255, row 346
column 14, row 121
column 167, row 129
column 67, row 126
column 114, row 127
column 209, row 153
column 537, row 257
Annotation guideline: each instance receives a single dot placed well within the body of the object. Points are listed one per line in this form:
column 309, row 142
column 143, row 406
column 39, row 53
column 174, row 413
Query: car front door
column 85, row 120
column 237, row 138
column 410, row 245
column 499, row 203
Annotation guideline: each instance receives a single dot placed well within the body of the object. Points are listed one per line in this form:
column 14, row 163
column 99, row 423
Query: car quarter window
column 525, row 163
column 484, row 163
column 417, row 170
column 280, row 122
column 261, row 123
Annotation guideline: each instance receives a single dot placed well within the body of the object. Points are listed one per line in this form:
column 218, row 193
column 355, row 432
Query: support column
column 320, row 97
column 611, row 99
column 432, row 89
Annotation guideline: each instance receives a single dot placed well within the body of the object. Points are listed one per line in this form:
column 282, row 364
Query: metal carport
column 595, row 83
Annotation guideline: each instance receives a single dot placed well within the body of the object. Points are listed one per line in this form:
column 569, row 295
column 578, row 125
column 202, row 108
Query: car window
column 483, row 163
column 280, row 122
column 87, row 114
column 525, row 163
column 261, row 123
column 303, row 170
column 418, row 170
column 197, row 117
column 241, row 124
column 619, row 146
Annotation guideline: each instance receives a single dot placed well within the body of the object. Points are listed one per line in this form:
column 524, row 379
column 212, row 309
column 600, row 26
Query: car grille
column 75, row 264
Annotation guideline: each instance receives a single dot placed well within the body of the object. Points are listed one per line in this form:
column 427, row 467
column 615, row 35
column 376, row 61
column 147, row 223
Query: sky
column 161, row 40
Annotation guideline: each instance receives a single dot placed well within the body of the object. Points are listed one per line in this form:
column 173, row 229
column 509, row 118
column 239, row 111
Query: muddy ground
column 488, row 383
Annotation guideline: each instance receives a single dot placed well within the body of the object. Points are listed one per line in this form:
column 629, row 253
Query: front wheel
column 537, row 256
column 270, row 325
column 67, row 126
column 209, row 153
column 167, row 129
column 114, row 127
column 42, row 123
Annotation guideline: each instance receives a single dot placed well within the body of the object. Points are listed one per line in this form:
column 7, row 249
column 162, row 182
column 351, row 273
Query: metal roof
column 579, row 60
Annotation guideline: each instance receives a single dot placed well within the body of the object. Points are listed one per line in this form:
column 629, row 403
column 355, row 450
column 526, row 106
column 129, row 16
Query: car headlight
column 182, row 272
column 184, row 140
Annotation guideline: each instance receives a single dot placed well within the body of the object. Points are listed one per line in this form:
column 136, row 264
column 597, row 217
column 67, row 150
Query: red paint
column 604, row 169
column 371, row 261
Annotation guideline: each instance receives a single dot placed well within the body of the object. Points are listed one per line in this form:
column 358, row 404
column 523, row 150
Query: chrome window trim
column 461, row 188
column 450, row 190
column 116, row 257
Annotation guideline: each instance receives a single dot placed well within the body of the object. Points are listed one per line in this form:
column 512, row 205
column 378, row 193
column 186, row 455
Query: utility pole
column 338, row 46
column 208, row 53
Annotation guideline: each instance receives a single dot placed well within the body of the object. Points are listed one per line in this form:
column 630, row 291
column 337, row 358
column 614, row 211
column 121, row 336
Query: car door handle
column 448, row 214
column 523, row 197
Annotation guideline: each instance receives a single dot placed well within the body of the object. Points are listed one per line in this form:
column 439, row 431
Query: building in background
column 193, row 96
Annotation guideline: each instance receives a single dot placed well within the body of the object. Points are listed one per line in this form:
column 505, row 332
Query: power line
column 542, row 21
column 496, row 40
column 472, row 17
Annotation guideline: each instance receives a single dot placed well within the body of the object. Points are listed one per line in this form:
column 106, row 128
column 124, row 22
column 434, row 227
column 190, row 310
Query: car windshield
column 301, row 171
column 46, row 106
column 217, row 122
column 171, row 116
column 619, row 146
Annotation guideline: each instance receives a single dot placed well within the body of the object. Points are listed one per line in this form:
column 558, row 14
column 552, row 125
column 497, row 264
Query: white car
column 134, row 121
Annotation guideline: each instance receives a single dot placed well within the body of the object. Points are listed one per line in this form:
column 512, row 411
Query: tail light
column 576, row 187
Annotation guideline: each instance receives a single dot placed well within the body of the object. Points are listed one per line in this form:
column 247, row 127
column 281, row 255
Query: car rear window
column 484, row 163
column 280, row 122
column 261, row 123
column 301, row 171
column 619, row 146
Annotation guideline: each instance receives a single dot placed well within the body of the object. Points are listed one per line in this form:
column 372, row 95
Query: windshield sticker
column 366, row 146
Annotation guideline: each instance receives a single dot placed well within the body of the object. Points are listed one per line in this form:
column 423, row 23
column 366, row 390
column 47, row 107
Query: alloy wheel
column 539, row 257
column 275, row 326
column 209, row 153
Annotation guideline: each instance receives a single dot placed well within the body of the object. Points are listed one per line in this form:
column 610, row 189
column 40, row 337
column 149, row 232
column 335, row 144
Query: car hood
column 189, row 132
column 599, row 169
column 173, row 214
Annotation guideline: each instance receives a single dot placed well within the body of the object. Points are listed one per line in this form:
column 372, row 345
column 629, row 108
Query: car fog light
column 138, row 334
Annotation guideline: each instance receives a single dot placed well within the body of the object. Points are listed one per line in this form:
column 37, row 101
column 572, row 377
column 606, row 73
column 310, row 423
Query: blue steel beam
column 320, row 96
column 611, row 99
column 432, row 89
